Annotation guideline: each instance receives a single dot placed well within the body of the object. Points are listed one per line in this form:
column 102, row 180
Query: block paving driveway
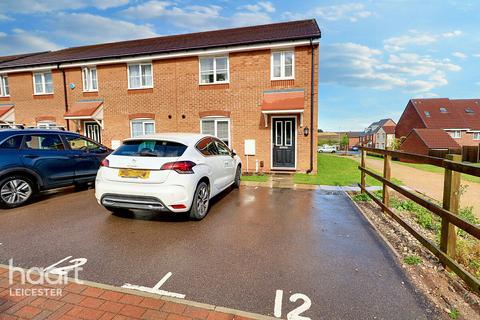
column 262, row 250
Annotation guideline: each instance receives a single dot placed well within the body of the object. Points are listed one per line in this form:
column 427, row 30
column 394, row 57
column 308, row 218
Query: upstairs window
column 476, row 136
column 457, row 134
column 43, row 83
column 4, row 92
column 214, row 70
column 282, row 65
column 443, row 110
column 140, row 76
column 427, row 114
column 469, row 111
column 89, row 76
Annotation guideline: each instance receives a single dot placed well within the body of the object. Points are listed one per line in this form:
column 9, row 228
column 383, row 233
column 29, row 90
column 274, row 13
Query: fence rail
column 448, row 212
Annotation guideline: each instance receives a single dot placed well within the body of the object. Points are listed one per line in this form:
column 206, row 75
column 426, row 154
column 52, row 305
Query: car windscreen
column 150, row 148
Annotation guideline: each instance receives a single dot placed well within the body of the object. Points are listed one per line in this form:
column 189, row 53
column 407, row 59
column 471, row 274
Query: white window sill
column 279, row 79
column 213, row 83
column 140, row 88
column 5, row 96
column 43, row 94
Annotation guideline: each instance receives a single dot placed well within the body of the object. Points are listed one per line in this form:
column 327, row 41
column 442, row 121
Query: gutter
column 312, row 95
column 65, row 94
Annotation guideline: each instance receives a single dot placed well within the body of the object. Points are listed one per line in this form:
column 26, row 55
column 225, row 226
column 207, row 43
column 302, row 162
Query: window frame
column 476, row 134
column 144, row 121
column 4, row 87
column 24, row 141
column 282, row 64
column 140, row 64
column 454, row 134
column 200, row 58
column 89, row 79
column 216, row 119
column 43, row 92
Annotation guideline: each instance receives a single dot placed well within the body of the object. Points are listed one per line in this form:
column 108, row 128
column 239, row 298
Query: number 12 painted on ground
column 295, row 314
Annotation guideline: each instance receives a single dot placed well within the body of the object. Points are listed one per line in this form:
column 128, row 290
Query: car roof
column 185, row 138
column 29, row 131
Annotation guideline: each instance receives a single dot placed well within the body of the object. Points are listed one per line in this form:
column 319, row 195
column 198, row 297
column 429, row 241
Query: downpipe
column 312, row 95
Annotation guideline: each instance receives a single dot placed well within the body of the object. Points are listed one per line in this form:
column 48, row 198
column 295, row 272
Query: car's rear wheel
column 201, row 200
column 236, row 182
column 15, row 191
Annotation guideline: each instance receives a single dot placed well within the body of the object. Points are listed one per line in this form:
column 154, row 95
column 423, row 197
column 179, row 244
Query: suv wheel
column 201, row 201
column 236, row 182
column 15, row 191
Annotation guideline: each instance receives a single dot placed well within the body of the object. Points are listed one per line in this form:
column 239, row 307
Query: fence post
column 387, row 172
column 451, row 202
column 362, row 164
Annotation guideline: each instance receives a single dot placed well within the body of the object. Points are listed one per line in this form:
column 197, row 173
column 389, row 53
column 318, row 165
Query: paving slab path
column 429, row 183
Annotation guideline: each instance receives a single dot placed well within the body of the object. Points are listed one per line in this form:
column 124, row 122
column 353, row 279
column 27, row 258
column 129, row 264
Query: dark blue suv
column 33, row 160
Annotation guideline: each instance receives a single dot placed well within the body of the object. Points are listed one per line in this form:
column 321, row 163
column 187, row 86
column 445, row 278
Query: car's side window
column 43, row 142
column 79, row 143
column 12, row 143
column 207, row 147
column 222, row 148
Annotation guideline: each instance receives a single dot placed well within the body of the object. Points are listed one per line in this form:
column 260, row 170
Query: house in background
column 353, row 137
column 459, row 119
column 433, row 142
column 251, row 86
column 385, row 137
column 369, row 137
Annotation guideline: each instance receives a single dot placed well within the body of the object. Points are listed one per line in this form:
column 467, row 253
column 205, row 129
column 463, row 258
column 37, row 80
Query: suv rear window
column 150, row 148
column 12, row 143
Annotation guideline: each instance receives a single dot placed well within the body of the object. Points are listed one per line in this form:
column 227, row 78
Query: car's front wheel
column 15, row 191
column 201, row 200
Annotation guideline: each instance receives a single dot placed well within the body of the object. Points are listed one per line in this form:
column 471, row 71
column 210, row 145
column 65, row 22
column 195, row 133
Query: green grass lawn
column 335, row 171
column 255, row 178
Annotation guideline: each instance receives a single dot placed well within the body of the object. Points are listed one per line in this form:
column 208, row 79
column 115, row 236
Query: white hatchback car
column 175, row 172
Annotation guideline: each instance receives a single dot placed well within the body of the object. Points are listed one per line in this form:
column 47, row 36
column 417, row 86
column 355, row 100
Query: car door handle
column 30, row 156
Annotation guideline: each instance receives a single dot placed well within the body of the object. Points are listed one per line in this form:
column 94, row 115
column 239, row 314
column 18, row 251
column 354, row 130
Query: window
column 476, row 136
column 43, row 83
column 427, row 114
column 443, row 110
column 457, row 134
column 12, row 143
column 150, row 148
column 469, row 110
column 214, row 70
column 218, row 127
column 79, row 143
column 89, row 76
column 43, row 142
column 141, row 127
column 140, row 76
column 46, row 125
column 282, row 65
column 4, row 91
column 207, row 147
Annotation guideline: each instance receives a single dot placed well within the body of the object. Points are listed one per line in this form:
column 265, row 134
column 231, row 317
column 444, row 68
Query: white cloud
column 88, row 28
column 190, row 17
column 259, row 6
column 415, row 38
column 42, row 6
column 349, row 11
column 4, row 17
column 477, row 55
column 459, row 55
column 20, row 41
column 357, row 65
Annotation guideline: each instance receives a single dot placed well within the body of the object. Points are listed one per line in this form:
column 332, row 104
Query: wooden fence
column 471, row 153
column 448, row 212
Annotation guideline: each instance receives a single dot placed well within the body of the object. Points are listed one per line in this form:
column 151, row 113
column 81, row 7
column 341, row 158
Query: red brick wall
column 413, row 144
column 408, row 121
column 176, row 93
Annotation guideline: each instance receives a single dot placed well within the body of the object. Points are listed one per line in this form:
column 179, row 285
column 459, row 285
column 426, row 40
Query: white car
column 327, row 149
column 173, row 172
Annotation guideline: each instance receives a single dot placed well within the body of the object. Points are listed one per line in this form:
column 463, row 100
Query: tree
column 345, row 142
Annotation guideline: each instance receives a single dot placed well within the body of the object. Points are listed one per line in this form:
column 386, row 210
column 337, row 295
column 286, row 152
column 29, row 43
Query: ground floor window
column 218, row 127
column 142, row 127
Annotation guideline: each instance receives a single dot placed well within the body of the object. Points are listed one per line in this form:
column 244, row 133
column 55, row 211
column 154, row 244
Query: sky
column 375, row 55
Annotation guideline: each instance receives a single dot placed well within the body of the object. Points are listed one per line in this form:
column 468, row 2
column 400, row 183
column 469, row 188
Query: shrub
column 361, row 197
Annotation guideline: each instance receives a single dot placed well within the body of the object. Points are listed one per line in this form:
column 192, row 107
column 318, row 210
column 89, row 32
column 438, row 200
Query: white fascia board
column 283, row 111
column 29, row 69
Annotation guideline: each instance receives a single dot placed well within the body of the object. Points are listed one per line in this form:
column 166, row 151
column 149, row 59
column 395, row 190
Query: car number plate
column 134, row 173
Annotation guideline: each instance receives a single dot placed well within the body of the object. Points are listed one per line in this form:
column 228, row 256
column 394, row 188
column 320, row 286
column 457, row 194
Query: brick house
column 369, row 136
column 255, row 85
column 427, row 141
column 353, row 137
column 384, row 137
column 460, row 119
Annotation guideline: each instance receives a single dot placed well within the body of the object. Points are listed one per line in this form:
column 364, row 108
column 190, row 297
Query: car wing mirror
column 233, row 153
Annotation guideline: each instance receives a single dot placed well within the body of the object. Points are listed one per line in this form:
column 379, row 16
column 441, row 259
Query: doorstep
column 98, row 301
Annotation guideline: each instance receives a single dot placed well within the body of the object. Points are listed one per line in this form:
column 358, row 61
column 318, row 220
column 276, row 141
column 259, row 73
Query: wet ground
column 255, row 245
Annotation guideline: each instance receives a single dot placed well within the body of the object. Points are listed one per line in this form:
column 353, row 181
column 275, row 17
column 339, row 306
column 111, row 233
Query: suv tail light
column 105, row 163
column 179, row 166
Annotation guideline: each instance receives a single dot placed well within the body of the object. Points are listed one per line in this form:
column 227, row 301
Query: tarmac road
column 253, row 242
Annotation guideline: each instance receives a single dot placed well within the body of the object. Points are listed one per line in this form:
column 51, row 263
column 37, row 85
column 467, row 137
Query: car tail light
column 179, row 166
column 105, row 163
column 178, row 206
